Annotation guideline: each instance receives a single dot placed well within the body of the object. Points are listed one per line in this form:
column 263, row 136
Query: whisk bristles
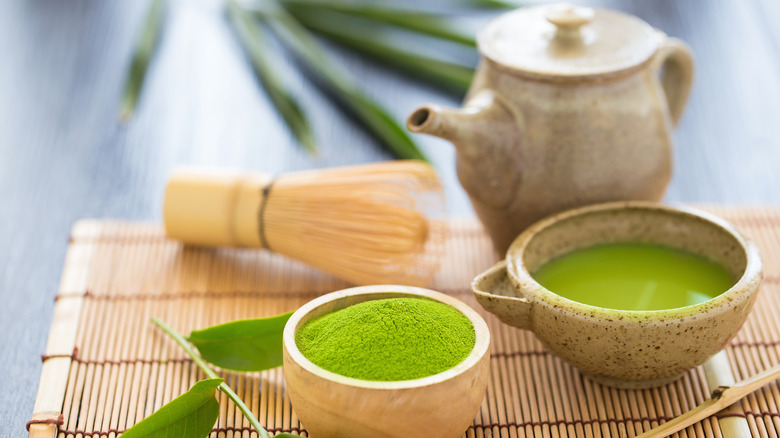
column 369, row 224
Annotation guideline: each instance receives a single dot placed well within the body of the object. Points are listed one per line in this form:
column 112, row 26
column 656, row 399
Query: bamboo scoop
column 722, row 397
column 368, row 224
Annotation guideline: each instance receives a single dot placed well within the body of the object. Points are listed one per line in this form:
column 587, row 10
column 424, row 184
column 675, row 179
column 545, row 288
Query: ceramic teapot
column 569, row 106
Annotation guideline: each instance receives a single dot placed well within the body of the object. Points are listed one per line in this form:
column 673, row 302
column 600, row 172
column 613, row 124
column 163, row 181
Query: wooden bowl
column 331, row 405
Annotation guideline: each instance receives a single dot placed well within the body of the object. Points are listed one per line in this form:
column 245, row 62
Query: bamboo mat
column 106, row 366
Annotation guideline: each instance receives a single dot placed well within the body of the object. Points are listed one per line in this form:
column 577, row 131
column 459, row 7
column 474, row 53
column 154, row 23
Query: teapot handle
column 676, row 60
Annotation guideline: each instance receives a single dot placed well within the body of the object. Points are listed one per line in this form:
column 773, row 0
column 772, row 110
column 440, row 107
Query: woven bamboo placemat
column 106, row 366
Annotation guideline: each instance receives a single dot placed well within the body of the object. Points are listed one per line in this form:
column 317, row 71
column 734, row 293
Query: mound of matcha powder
column 388, row 339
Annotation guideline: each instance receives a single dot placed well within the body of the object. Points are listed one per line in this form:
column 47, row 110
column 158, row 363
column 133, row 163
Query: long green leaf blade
column 381, row 123
column 190, row 415
column 147, row 45
column 492, row 4
column 244, row 345
column 375, row 118
column 258, row 49
column 443, row 74
column 420, row 22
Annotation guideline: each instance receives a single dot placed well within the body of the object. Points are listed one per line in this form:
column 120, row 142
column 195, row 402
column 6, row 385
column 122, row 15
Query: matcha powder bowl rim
column 749, row 271
column 342, row 299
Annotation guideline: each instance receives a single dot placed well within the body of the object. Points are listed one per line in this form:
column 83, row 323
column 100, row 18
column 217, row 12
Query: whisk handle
column 210, row 207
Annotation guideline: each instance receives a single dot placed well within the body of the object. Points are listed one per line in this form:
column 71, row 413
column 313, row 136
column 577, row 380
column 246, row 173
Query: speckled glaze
column 626, row 349
column 536, row 138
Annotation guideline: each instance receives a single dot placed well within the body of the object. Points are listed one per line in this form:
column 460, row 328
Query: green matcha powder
column 388, row 339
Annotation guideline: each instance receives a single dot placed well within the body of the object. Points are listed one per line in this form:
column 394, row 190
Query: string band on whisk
column 266, row 192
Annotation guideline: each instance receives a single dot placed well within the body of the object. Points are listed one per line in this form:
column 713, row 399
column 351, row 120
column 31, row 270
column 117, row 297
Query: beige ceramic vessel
column 569, row 106
column 333, row 406
column 627, row 349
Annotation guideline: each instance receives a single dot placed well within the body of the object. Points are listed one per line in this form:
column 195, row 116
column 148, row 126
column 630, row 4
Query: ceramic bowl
column 623, row 348
column 331, row 405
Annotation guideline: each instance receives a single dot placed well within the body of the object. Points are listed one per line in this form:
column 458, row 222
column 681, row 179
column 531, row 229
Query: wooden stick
column 718, row 373
column 722, row 397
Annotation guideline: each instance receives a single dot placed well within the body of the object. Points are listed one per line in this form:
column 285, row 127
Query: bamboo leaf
column 452, row 76
column 244, row 345
column 381, row 123
column 258, row 50
column 147, row 44
column 375, row 118
column 191, row 415
column 492, row 4
column 419, row 22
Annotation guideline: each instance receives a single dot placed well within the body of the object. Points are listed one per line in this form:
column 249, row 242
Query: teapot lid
column 566, row 41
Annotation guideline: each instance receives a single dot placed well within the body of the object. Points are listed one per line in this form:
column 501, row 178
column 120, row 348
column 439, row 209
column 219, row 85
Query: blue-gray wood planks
column 63, row 156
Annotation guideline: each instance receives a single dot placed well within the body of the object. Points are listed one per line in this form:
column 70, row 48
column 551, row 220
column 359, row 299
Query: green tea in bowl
column 634, row 276
column 390, row 339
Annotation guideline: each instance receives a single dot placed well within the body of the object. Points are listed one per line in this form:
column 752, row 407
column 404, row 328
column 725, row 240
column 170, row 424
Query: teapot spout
column 445, row 123
column 482, row 121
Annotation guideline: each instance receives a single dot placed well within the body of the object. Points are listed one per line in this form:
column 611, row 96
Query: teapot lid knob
column 564, row 41
column 569, row 17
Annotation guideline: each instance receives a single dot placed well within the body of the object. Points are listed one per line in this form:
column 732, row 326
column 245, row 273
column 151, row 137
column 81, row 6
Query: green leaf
column 190, row 415
column 420, row 22
column 258, row 50
column 308, row 49
column 286, row 435
column 377, row 120
column 244, row 345
column 493, row 4
column 147, row 44
column 176, row 336
column 337, row 28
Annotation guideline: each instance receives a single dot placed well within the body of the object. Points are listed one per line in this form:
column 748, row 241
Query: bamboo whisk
column 368, row 224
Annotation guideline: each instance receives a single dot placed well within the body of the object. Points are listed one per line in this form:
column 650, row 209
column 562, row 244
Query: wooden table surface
column 64, row 156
